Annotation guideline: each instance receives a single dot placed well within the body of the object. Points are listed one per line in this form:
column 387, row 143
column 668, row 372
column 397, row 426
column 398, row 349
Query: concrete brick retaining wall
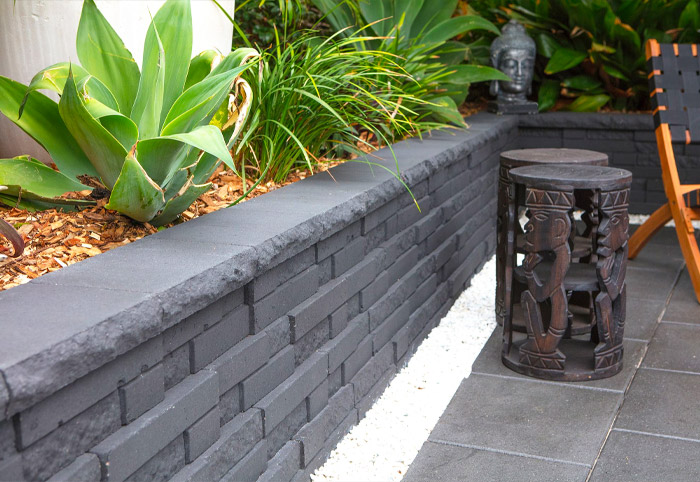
column 245, row 343
column 628, row 139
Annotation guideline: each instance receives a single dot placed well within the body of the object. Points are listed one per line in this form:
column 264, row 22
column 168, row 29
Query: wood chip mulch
column 55, row 239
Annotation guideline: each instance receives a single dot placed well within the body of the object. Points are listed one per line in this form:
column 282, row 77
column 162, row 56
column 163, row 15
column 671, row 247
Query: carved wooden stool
column 510, row 236
column 550, row 196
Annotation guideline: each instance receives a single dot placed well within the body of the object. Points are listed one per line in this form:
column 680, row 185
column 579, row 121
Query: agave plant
column 147, row 134
column 11, row 235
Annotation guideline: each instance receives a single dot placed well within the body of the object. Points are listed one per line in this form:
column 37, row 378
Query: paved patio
column 640, row 425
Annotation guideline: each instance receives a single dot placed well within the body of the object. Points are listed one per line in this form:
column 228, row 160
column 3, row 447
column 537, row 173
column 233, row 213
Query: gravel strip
column 385, row 442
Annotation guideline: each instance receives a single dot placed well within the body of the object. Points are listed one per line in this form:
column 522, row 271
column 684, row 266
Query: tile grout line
column 507, row 452
column 660, row 435
column 634, row 375
column 548, row 382
column 682, row 323
column 668, row 370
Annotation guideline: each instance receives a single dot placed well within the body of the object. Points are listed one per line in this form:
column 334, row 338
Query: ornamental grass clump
column 147, row 134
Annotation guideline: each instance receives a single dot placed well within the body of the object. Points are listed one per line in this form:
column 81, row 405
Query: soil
column 54, row 239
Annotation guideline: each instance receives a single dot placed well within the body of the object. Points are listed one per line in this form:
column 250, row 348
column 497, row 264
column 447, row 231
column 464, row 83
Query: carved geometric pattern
column 549, row 361
column 615, row 199
column 608, row 358
column 550, row 199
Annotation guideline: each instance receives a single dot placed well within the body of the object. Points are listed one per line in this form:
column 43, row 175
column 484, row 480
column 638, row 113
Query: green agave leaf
column 446, row 110
column 581, row 82
column 548, row 95
column 588, row 103
column 41, row 120
column 32, row 176
column 120, row 126
column 444, row 31
column 149, row 99
column 15, row 239
column 91, row 87
column 338, row 13
column 52, row 78
column 452, row 53
column 432, row 13
column 237, row 58
column 405, row 13
column 564, row 59
column 162, row 157
column 173, row 24
column 30, row 202
column 104, row 151
column 199, row 102
column 200, row 67
column 135, row 194
column 378, row 11
column 469, row 74
column 184, row 199
column 103, row 54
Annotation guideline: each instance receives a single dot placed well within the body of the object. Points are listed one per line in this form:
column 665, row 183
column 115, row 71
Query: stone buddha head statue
column 513, row 53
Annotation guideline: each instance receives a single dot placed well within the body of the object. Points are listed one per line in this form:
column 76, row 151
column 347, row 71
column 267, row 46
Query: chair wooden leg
column 647, row 230
column 689, row 247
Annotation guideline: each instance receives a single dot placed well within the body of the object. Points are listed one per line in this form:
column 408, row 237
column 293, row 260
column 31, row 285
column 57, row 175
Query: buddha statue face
column 513, row 53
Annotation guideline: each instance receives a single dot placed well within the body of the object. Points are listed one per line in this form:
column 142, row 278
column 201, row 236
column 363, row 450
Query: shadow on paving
column 640, row 425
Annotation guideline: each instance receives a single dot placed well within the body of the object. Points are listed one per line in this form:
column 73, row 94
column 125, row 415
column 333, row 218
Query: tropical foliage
column 420, row 34
column 591, row 52
column 146, row 134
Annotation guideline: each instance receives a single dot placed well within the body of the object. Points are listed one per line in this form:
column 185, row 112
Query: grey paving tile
column 441, row 462
column 531, row 417
column 642, row 316
column 489, row 362
column 662, row 402
column 637, row 457
column 651, row 284
column 684, row 305
column 675, row 347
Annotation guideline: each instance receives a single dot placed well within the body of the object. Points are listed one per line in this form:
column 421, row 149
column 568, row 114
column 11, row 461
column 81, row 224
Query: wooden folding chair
column 674, row 83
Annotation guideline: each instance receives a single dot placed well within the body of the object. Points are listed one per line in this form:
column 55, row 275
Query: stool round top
column 528, row 157
column 569, row 176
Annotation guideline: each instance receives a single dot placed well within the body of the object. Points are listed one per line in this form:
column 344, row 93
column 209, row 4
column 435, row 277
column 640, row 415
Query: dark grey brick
column 279, row 334
column 378, row 216
column 202, row 434
column 423, row 292
column 375, row 237
column 283, row 466
column 331, row 442
column 311, row 342
column 8, row 446
column 260, row 383
column 241, row 361
column 132, row 446
column 325, row 271
column 410, row 215
column 398, row 245
column 374, row 291
column 335, row 381
column 208, row 346
column 466, row 270
column 284, row 298
column 391, row 226
column 278, row 403
column 310, row 313
column 163, row 465
column 344, row 344
column 317, row 399
column 438, row 179
column 271, row 279
column 348, row 257
column 194, row 324
column 363, row 274
column 45, row 416
column 371, row 372
column 389, row 327
column 285, row 430
column 11, row 469
column 357, row 359
column 427, row 226
column 401, row 343
column 230, row 404
column 176, row 365
column 375, row 392
column 142, row 393
column 403, row 264
column 314, row 434
column 238, row 437
column 337, row 241
column 338, row 320
column 61, row 447
column 353, row 306
column 445, row 251
column 86, row 468
column 250, row 467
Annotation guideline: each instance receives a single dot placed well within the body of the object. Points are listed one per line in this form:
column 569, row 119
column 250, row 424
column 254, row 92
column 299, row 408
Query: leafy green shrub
column 146, row 135
column 420, row 34
column 591, row 52
column 321, row 97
